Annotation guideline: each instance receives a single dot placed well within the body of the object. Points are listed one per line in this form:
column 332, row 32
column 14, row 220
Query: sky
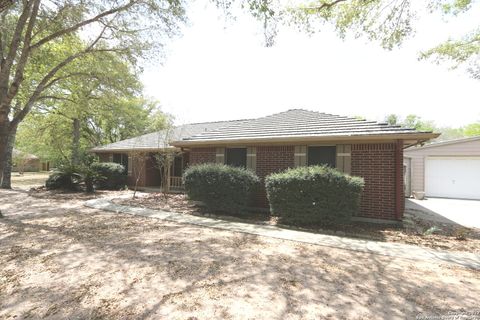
column 219, row 70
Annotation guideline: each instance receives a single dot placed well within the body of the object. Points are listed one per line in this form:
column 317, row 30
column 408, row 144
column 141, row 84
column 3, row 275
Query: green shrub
column 64, row 177
column 220, row 187
column 313, row 195
column 111, row 175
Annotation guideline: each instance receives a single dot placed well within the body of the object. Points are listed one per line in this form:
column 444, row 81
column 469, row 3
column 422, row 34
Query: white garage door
column 453, row 178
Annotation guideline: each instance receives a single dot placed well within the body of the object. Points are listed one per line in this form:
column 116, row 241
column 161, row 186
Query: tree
column 386, row 22
column 472, row 130
column 129, row 28
column 392, row 119
column 411, row 121
column 29, row 28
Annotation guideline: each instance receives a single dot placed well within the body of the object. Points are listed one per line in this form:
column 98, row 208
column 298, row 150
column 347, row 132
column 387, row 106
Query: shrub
column 110, row 175
column 220, row 187
column 64, row 177
column 313, row 195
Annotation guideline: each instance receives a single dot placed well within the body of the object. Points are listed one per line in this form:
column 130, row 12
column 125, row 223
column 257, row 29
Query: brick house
column 299, row 137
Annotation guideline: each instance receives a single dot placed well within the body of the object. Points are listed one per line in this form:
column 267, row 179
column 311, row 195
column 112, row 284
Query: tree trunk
column 76, row 142
column 4, row 134
column 6, row 182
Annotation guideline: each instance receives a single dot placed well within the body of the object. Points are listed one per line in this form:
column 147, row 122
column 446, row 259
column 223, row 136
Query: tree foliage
column 447, row 133
column 46, row 45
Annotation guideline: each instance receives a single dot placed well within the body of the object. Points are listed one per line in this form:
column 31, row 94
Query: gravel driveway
column 61, row 260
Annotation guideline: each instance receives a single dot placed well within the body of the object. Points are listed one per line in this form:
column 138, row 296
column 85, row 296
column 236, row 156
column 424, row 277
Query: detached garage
column 449, row 169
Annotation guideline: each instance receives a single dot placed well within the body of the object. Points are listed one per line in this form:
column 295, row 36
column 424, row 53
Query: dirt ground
column 61, row 260
column 416, row 231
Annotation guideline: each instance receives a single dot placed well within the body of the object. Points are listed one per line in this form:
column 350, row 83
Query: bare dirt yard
column 60, row 260
column 416, row 230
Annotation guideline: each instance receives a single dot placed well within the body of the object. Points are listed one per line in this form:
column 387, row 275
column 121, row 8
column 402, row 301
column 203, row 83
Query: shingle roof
column 297, row 123
column 157, row 140
column 26, row 156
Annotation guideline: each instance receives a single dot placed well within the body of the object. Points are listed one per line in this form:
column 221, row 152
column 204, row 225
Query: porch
column 175, row 186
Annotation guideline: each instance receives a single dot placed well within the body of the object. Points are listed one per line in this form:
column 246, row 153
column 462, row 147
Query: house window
column 236, row 157
column 121, row 158
column 325, row 155
column 177, row 166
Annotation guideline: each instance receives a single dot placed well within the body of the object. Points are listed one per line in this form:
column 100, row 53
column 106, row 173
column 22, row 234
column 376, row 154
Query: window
column 325, row 155
column 236, row 157
column 122, row 159
column 177, row 166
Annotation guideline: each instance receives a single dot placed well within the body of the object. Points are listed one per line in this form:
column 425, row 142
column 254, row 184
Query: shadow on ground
column 60, row 260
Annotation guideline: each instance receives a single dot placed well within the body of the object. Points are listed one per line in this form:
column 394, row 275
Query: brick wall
column 202, row 155
column 377, row 164
column 271, row 159
column 104, row 157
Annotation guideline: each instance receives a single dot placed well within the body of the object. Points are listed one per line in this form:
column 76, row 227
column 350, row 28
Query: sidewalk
column 405, row 251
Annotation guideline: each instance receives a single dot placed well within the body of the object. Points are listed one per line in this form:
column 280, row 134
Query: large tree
column 130, row 27
column 29, row 28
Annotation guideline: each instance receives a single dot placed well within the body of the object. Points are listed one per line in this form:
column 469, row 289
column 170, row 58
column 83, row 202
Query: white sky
column 213, row 72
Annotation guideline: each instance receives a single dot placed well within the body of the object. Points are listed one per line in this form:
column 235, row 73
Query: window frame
column 333, row 146
column 245, row 160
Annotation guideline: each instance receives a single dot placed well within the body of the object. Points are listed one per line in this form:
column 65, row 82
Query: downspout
column 399, row 201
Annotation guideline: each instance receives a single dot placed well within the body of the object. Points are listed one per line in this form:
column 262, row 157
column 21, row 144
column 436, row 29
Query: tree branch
column 7, row 63
column 20, row 68
column 324, row 5
column 46, row 80
column 83, row 23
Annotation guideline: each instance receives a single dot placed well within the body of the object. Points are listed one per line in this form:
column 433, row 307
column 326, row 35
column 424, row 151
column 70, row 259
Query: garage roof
column 443, row 143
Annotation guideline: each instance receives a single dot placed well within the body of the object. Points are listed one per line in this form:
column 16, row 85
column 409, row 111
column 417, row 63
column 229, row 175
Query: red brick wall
column 272, row 159
column 104, row 157
column 202, row 155
column 138, row 171
column 377, row 164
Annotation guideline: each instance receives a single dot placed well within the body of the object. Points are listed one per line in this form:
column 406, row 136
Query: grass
column 29, row 179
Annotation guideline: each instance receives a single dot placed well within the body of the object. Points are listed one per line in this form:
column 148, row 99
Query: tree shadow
column 66, row 262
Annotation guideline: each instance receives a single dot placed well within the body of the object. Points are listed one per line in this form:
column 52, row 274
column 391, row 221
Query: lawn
column 61, row 260
column 29, row 179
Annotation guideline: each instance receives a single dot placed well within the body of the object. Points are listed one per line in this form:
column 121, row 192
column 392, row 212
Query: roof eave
column 418, row 136
column 131, row 149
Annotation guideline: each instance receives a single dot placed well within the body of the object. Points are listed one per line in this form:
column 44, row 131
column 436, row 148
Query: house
column 25, row 162
column 284, row 140
column 449, row 169
column 138, row 155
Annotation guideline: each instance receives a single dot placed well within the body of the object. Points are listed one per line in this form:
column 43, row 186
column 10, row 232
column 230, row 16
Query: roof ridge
column 208, row 122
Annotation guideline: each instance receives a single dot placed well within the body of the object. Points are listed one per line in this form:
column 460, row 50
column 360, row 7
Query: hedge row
column 220, row 187
column 313, row 195
column 103, row 175
column 300, row 196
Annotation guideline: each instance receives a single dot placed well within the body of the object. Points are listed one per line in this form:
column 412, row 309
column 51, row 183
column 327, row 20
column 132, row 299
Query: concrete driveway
column 462, row 212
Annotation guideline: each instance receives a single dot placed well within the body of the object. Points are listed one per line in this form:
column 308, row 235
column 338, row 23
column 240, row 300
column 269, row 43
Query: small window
column 236, row 157
column 322, row 156
column 122, row 159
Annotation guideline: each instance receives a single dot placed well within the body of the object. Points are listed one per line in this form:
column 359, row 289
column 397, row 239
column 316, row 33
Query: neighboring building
column 24, row 162
column 293, row 138
column 449, row 169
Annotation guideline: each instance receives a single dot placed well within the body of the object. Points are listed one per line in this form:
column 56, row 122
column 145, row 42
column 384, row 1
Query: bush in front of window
column 313, row 195
column 220, row 187
column 112, row 175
